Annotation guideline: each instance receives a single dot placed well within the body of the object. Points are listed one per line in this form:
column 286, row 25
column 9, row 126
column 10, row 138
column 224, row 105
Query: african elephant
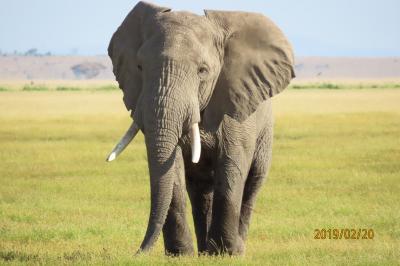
column 199, row 88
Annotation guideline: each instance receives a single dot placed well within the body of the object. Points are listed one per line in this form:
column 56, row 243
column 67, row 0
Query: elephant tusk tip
column 195, row 142
column 111, row 157
column 126, row 139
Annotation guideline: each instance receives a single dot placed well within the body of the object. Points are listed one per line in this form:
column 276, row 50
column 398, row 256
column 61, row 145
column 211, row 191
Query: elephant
column 199, row 87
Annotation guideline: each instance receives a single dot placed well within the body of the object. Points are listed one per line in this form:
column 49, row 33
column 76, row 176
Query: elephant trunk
column 165, row 118
column 163, row 157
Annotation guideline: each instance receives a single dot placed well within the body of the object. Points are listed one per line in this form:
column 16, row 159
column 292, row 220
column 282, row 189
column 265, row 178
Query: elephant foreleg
column 201, row 197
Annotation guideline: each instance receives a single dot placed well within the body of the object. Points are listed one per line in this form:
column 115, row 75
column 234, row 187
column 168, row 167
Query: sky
column 314, row 27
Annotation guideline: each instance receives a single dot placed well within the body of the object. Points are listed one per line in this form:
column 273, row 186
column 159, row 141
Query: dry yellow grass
column 335, row 165
column 316, row 101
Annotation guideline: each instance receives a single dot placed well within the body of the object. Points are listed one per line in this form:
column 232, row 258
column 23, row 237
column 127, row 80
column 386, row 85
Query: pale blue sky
column 315, row 27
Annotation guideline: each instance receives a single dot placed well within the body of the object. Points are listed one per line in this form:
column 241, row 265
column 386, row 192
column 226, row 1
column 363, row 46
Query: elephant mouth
column 195, row 142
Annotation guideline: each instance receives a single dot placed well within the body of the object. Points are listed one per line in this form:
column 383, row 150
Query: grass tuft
column 77, row 255
column 9, row 256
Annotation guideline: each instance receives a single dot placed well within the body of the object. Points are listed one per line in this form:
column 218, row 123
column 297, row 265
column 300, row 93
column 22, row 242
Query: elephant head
column 178, row 69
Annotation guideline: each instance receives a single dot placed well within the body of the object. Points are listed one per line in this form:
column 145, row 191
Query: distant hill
column 45, row 67
column 55, row 67
column 347, row 67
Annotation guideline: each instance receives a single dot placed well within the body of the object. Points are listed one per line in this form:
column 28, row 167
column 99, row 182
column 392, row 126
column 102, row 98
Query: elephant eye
column 139, row 67
column 203, row 71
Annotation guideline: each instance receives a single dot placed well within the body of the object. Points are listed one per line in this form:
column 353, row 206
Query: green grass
column 67, row 88
column 106, row 88
column 35, row 88
column 86, row 86
column 316, row 86
column 335, row 165
column 91, row 88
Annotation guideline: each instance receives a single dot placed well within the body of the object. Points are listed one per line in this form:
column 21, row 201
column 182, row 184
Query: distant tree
column 87, row 70
column 31, row 52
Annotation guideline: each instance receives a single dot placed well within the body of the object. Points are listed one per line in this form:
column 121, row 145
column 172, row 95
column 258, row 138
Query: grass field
column 336, row 164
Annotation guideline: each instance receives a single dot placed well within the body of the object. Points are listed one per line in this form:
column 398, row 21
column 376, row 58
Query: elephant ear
column 257, row 64
column 123, row 49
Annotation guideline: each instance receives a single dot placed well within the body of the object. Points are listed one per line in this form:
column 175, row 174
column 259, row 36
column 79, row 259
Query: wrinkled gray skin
column 218, row 70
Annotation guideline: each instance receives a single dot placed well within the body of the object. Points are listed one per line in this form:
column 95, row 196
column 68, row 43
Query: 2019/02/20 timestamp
column 344, row 233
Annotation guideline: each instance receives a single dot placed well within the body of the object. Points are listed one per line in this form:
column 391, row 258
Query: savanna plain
column 336, row 165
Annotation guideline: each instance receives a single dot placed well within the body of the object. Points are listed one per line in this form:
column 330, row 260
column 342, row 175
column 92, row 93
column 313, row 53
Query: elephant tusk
column 195, row 142
column 125, row 140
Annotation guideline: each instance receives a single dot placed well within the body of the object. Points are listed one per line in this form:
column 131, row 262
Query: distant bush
column 35, row 88
column 297, row 87
column 87, row 70
column 316, row 86
column 302, row 87
column 3, row 89
column 65, row 88
column 328, row 86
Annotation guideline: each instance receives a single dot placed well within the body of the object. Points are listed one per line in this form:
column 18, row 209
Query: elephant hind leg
column 257, row 174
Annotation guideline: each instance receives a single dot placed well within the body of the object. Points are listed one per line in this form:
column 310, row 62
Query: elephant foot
column 180, row 251
column 224, row 247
